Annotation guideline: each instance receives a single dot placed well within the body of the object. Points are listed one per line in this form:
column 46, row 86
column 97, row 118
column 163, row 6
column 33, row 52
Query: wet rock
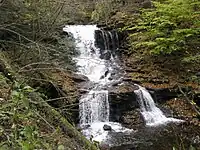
column 156, row 138
column 83, row 91
column 132, row 119
column 107, row 127
column 122, row 98
column 104, row 146
column 85, row 126
column 85, row 85
column 79, row 78
column 105, row 74
column 127, row 141
column 113, row 73
column 110, row 78
column 127, row 79
column 115, row 83
column 120, row 91
column 106, row 55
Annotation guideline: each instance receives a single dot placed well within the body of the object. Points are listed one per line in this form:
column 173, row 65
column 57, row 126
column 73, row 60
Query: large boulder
column 122, row 99
column 132, row 119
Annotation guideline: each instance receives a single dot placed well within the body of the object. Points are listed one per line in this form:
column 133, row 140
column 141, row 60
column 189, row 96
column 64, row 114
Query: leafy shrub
column 170, row 27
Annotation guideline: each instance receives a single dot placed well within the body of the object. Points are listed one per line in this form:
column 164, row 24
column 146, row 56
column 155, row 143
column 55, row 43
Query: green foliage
column 170, row 27
column 190, row 148
column 21, row 130
column 102, row 10
column 193, row 59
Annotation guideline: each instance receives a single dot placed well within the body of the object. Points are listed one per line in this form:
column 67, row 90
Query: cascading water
column 152, row 114
column 94, row 107
column 96, row 62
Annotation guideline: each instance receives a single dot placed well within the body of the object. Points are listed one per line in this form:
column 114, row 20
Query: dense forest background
column 36, row 65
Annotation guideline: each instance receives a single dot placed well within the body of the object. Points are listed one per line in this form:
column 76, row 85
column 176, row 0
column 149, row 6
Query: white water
column 94, row 106
column 88, row 61
column 152, row 114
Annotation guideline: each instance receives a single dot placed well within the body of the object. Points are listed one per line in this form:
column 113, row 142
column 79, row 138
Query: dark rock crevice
column 161, row 95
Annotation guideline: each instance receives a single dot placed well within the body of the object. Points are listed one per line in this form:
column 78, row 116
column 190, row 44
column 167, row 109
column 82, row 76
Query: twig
column 193, row 106
column 45, row 120
column 38, row 63
column 12, row 42
column 38, row 69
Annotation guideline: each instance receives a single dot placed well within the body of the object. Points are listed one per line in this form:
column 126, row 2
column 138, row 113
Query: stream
column 98, row 61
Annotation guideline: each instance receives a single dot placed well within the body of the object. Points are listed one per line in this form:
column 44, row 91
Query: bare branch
column 195, row 108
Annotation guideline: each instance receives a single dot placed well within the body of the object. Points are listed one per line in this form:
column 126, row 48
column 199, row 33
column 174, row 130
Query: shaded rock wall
column 122, row 99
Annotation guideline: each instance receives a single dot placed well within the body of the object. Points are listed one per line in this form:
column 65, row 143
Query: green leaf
column 61, row 147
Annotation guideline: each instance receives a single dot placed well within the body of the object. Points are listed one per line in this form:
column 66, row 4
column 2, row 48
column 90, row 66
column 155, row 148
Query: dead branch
column 38, row 63
column 195, row 108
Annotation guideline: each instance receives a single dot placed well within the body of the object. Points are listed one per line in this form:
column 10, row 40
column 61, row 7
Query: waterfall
column 107, row 40
column 152, row 114
column 94, row 107
column 96, row 62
